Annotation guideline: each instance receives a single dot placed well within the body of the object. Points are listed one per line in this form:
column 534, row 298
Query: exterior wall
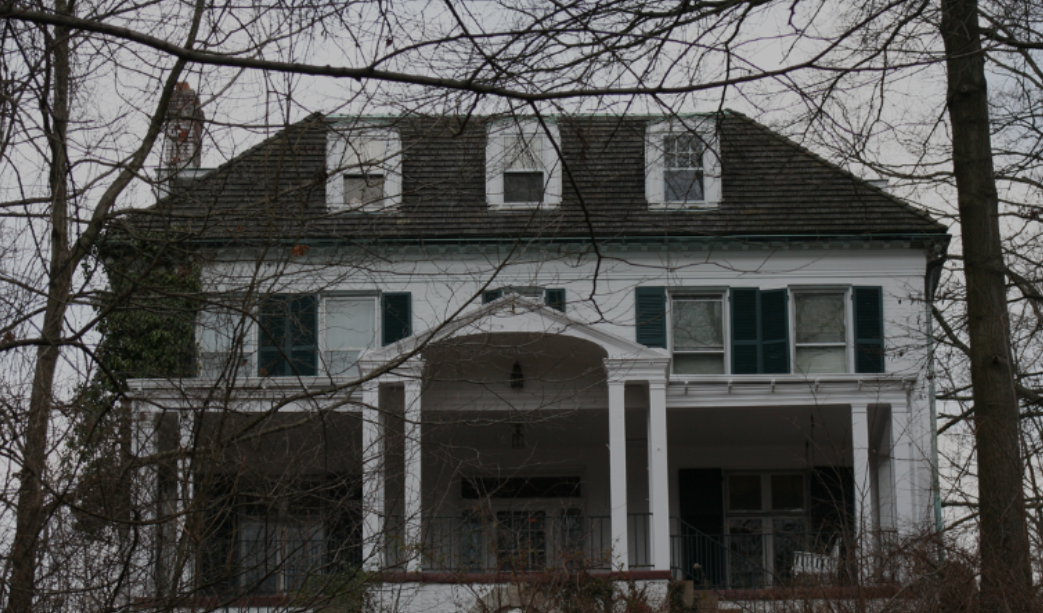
column 441, row 285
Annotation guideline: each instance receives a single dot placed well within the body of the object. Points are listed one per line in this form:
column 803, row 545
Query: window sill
column 683, row 206
column 523, row 206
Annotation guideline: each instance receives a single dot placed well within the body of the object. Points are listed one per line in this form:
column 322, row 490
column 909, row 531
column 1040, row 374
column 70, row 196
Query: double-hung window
column 682, row 164
column 220, row 339
column 697, row 326
column 350, row 327
column 364, row 168
column 683, row 168
column 523, row 168
column 820, row 332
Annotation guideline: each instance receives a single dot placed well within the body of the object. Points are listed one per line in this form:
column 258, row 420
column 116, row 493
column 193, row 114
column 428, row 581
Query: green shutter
column 303, row 326
column 288, row 338
column 746, row 329
column 650, row 316
column 869, row 329
column 397, row 316
column 555, row 299
column 490, row 295
column 774, row 318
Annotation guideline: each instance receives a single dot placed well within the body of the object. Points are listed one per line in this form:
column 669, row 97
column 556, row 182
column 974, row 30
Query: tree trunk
column 1006, row 575
column 30, row 513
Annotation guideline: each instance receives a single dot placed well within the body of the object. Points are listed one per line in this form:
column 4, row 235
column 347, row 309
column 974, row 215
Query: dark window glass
column 363, row 190
column 744, row 493
column 288, row 336
column 523, row 186
column 787, row 492
column 521, row 487
column 521, row 540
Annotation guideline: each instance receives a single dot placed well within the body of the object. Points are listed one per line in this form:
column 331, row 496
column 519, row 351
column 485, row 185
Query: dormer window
column 523, row 170
column 364, row 166
column 682, row 165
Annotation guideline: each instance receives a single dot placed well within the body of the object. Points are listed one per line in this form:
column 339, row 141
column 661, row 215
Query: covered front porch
column 520, row 451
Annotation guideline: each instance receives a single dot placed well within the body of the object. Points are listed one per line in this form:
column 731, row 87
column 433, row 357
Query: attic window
column 364, row 169
column 682, row 165
column 523, row 170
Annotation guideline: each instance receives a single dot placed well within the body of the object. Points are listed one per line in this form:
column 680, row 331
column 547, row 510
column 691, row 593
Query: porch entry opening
column 744, row 529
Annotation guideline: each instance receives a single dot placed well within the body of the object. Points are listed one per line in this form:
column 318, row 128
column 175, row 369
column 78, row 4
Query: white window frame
column 324, row 297
column 708, row 292
column 342, row 145
column 849, row 326
column 495, row 164
column 248, row 349
column 706, row 130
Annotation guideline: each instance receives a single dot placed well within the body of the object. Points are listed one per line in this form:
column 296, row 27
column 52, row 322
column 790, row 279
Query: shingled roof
column 772, row 187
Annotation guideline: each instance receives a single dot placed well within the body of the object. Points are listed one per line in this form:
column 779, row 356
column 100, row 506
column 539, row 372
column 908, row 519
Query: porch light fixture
column 517, row 377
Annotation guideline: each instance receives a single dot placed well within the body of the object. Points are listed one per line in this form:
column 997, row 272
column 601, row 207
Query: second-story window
column 523, row 168
column 698, row 334
column 820, row 332
column 350, row 327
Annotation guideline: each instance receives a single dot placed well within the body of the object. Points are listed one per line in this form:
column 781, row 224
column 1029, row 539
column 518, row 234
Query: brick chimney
column 184, row 132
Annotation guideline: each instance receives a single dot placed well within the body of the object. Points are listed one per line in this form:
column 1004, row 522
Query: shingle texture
column 771, row 186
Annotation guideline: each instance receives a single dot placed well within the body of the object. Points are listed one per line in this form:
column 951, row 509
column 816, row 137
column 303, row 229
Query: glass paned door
column 745, row 552
column 521, row 540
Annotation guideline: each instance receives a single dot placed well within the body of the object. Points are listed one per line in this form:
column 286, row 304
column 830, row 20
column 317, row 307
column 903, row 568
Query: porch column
column 617, row 465
column 902, row 466
column 658, row 476
column 412, row 465
column 372, row 478
column 185, row 490
column 863, row 493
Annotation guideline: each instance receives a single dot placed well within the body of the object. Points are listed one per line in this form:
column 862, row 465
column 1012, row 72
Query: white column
column 863, row 491
column 658, row 476
column 412, row 456
column 185, row 492
column 617, row 466
column 372, row 478
column 902, row 466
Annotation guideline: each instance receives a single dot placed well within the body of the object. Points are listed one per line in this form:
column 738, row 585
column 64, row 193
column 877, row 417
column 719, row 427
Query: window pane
column 522, row 152
column 744, row 493
column 523, row 187
column 699, row 363
column 682, row 151
column 697, row 324
column 683, row 185
column 824, row 360
column 820, row 318
column 363, row 190
column 364, row 153
column 787, row 492
column 350, row 323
